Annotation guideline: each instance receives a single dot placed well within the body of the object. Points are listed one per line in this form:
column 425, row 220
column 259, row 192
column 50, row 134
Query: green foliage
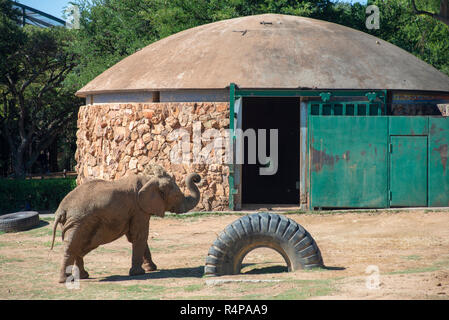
column 39, row 194
column 11, row 35
column 35, row 106
column 423, row 36
column 110, row 30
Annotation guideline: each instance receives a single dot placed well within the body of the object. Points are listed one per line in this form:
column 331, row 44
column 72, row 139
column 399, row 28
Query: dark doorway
column 283, row 186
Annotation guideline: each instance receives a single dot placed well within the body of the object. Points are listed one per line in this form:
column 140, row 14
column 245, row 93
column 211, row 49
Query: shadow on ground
column 198, row 272
column 333, row 268
column 42, row 223
column 280, row 269
column 264, row 270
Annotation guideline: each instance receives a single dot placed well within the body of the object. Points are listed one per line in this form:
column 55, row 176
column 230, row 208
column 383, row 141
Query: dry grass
column 409, row 248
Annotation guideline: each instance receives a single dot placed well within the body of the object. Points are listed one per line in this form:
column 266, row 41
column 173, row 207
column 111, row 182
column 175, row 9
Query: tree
column 113, row 29
column 109, row 31
column 443, row 14
column 35, row 106
column 421, row 35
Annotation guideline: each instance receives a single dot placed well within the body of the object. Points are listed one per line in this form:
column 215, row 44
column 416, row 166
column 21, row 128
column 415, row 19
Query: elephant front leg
column 148, row 263
column 137, row 258
column 80, row 264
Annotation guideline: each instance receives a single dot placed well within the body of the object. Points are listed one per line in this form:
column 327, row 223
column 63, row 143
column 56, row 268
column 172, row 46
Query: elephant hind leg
column 80, row 264
column 66, row 268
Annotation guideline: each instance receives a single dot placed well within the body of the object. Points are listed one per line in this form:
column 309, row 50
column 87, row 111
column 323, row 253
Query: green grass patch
column 210, row 297
column 412, row 257
column 437, row 265
column 139, row 288
column 190, row 215
column 4, row 260
column 307, row 289
column 415, row 270
column 5, row 244
column 252, row 297
column 42, row 231
column 102, row 249
column 48, row 244
column 193, row 287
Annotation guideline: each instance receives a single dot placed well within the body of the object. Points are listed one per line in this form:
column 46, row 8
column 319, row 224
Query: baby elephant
column 99, row 212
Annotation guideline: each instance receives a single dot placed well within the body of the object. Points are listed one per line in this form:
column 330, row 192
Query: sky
column 52, row 7
column 56, row 7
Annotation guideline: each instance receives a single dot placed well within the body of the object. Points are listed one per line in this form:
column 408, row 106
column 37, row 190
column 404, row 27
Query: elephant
column 99, row 211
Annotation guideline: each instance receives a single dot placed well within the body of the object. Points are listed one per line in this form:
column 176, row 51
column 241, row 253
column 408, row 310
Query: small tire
column 19, row 221
column 274, row 231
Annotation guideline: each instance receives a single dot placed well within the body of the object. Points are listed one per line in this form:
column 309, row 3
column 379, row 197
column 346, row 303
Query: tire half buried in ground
column 19, row 221
column 274, row 231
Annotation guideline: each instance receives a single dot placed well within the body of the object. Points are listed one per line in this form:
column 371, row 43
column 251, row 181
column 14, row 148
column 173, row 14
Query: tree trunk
column 18, row 164
column 443, row 16
column 444, row 11
column 53, row 150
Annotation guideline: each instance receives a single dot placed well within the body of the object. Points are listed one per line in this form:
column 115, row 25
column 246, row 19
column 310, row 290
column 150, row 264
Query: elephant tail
column 60, row 216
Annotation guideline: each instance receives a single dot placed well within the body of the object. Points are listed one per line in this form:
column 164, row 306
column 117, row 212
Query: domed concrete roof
column 269, row 51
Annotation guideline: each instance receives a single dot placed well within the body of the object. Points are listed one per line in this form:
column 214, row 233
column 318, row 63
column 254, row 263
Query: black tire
column 19, row 221
column 284, row 235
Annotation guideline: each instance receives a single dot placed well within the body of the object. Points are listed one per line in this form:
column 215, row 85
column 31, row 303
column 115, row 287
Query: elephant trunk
column 191, row 200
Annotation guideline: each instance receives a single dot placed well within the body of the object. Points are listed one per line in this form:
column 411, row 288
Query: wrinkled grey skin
column 99, row 212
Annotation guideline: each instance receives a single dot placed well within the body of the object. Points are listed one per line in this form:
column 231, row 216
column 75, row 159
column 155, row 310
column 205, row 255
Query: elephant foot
column 84, row 274
column 149, row 267
column 136, row 271
column 62, row 279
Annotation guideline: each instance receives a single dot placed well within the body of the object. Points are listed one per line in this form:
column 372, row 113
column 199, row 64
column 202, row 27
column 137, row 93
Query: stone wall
column 116, row 139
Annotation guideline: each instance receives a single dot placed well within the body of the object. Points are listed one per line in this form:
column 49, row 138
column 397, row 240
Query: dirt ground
column 368, row 255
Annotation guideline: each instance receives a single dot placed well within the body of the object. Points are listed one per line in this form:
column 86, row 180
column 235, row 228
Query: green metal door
column 408, row 171
column 348, row 161
column 438, row 162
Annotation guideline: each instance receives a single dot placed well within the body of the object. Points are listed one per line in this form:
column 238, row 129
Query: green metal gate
column 438, row 162
column 347, row 162
column 378, row 161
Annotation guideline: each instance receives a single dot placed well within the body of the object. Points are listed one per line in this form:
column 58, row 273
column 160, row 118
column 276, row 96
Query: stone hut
column 181, row 101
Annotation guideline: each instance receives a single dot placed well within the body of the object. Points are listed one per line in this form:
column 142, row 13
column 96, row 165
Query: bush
column 46, row 194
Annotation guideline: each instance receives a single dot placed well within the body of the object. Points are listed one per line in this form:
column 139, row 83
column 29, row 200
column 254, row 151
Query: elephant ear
column 150, row 198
